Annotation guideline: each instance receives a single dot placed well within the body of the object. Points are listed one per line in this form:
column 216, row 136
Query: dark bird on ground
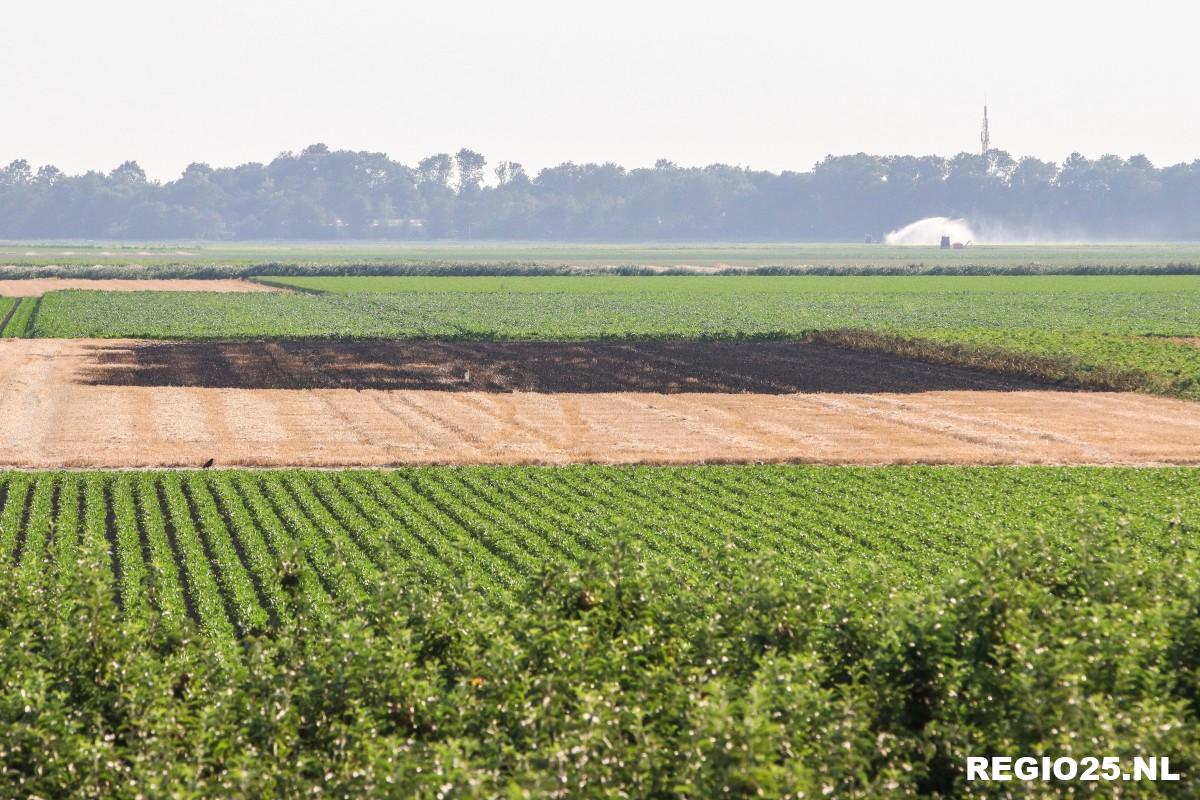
column 208, row 463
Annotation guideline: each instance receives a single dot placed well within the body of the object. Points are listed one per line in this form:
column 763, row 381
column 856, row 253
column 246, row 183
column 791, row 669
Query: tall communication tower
column 984, row 139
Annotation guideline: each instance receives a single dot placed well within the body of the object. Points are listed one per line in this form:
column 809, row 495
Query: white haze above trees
column 320, row 193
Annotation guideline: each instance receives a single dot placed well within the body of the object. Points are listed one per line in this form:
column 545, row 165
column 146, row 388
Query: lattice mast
column 985, row 139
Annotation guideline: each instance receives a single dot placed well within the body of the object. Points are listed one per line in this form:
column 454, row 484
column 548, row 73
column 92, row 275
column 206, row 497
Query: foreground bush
column 614, row 681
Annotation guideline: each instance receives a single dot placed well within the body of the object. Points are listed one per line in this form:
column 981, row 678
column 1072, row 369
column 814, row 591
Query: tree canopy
column 320, row 193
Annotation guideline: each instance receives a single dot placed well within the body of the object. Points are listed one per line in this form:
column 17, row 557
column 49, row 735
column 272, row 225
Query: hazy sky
column 86, row 85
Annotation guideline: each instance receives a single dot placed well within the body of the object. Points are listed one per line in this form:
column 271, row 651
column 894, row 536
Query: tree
column 470, row 170
column 128, row 172
column 435, row 170
column 48, row 175
column 516, row 174
column 18, row 173
column 511, row 172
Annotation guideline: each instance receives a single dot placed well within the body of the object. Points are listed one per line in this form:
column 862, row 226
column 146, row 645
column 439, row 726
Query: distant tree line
column 337, row 194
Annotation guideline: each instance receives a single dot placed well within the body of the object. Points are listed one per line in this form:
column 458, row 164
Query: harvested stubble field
column 36, row 287
column 117, row 403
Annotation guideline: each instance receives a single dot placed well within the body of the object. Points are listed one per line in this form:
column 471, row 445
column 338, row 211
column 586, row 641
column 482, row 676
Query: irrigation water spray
column 929, row 231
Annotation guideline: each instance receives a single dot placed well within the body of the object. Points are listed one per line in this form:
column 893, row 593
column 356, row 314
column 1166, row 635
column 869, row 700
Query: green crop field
column 1115, row 331
column 665, row 254
column 790, row 285
column 590, row 631
column 221, row 534
column 17, row 319
column 8, row 307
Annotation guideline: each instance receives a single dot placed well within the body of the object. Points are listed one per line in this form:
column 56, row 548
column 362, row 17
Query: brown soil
column 36, row 287
column 661, row 367
column 52, row 416
column 1194, row 341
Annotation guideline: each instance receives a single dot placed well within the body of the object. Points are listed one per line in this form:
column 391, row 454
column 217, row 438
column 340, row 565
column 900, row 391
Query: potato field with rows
column 218, row 549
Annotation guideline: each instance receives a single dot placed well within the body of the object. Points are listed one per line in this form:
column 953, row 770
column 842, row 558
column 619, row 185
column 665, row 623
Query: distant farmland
column 664, row 254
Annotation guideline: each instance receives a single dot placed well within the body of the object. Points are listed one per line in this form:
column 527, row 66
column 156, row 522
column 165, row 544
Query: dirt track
column 36, row 287
column 53, row 413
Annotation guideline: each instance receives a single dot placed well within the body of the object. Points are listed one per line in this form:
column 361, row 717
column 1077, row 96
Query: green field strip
column 337, row 575
column 411, row 550
column 170, row 585
column 695, row 524
column 242, row 593
column 309, row 588
column 522, row 513
column 673, row 538
column 719, row 307
column 95, row 541
column 214, row 609
column 12, row 516
column 30, row 549
column 8, row 307
column 492, row 510
column 261, row 564
column 19, row 320
column 435, row 533
column 126, row 534
column 528, row 493
column 676, row 552
column 342, row 541
column 754, row 630
column 479, row 555
column 367, row 537
column 394, row 544
column 67, row 530
column 577, row 515
column 773, row 530
column 513, row 554
column 720, row 284
column 284, row 282
column 834, row 526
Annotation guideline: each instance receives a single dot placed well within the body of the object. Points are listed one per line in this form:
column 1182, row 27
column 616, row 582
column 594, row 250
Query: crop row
column 240, row 552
